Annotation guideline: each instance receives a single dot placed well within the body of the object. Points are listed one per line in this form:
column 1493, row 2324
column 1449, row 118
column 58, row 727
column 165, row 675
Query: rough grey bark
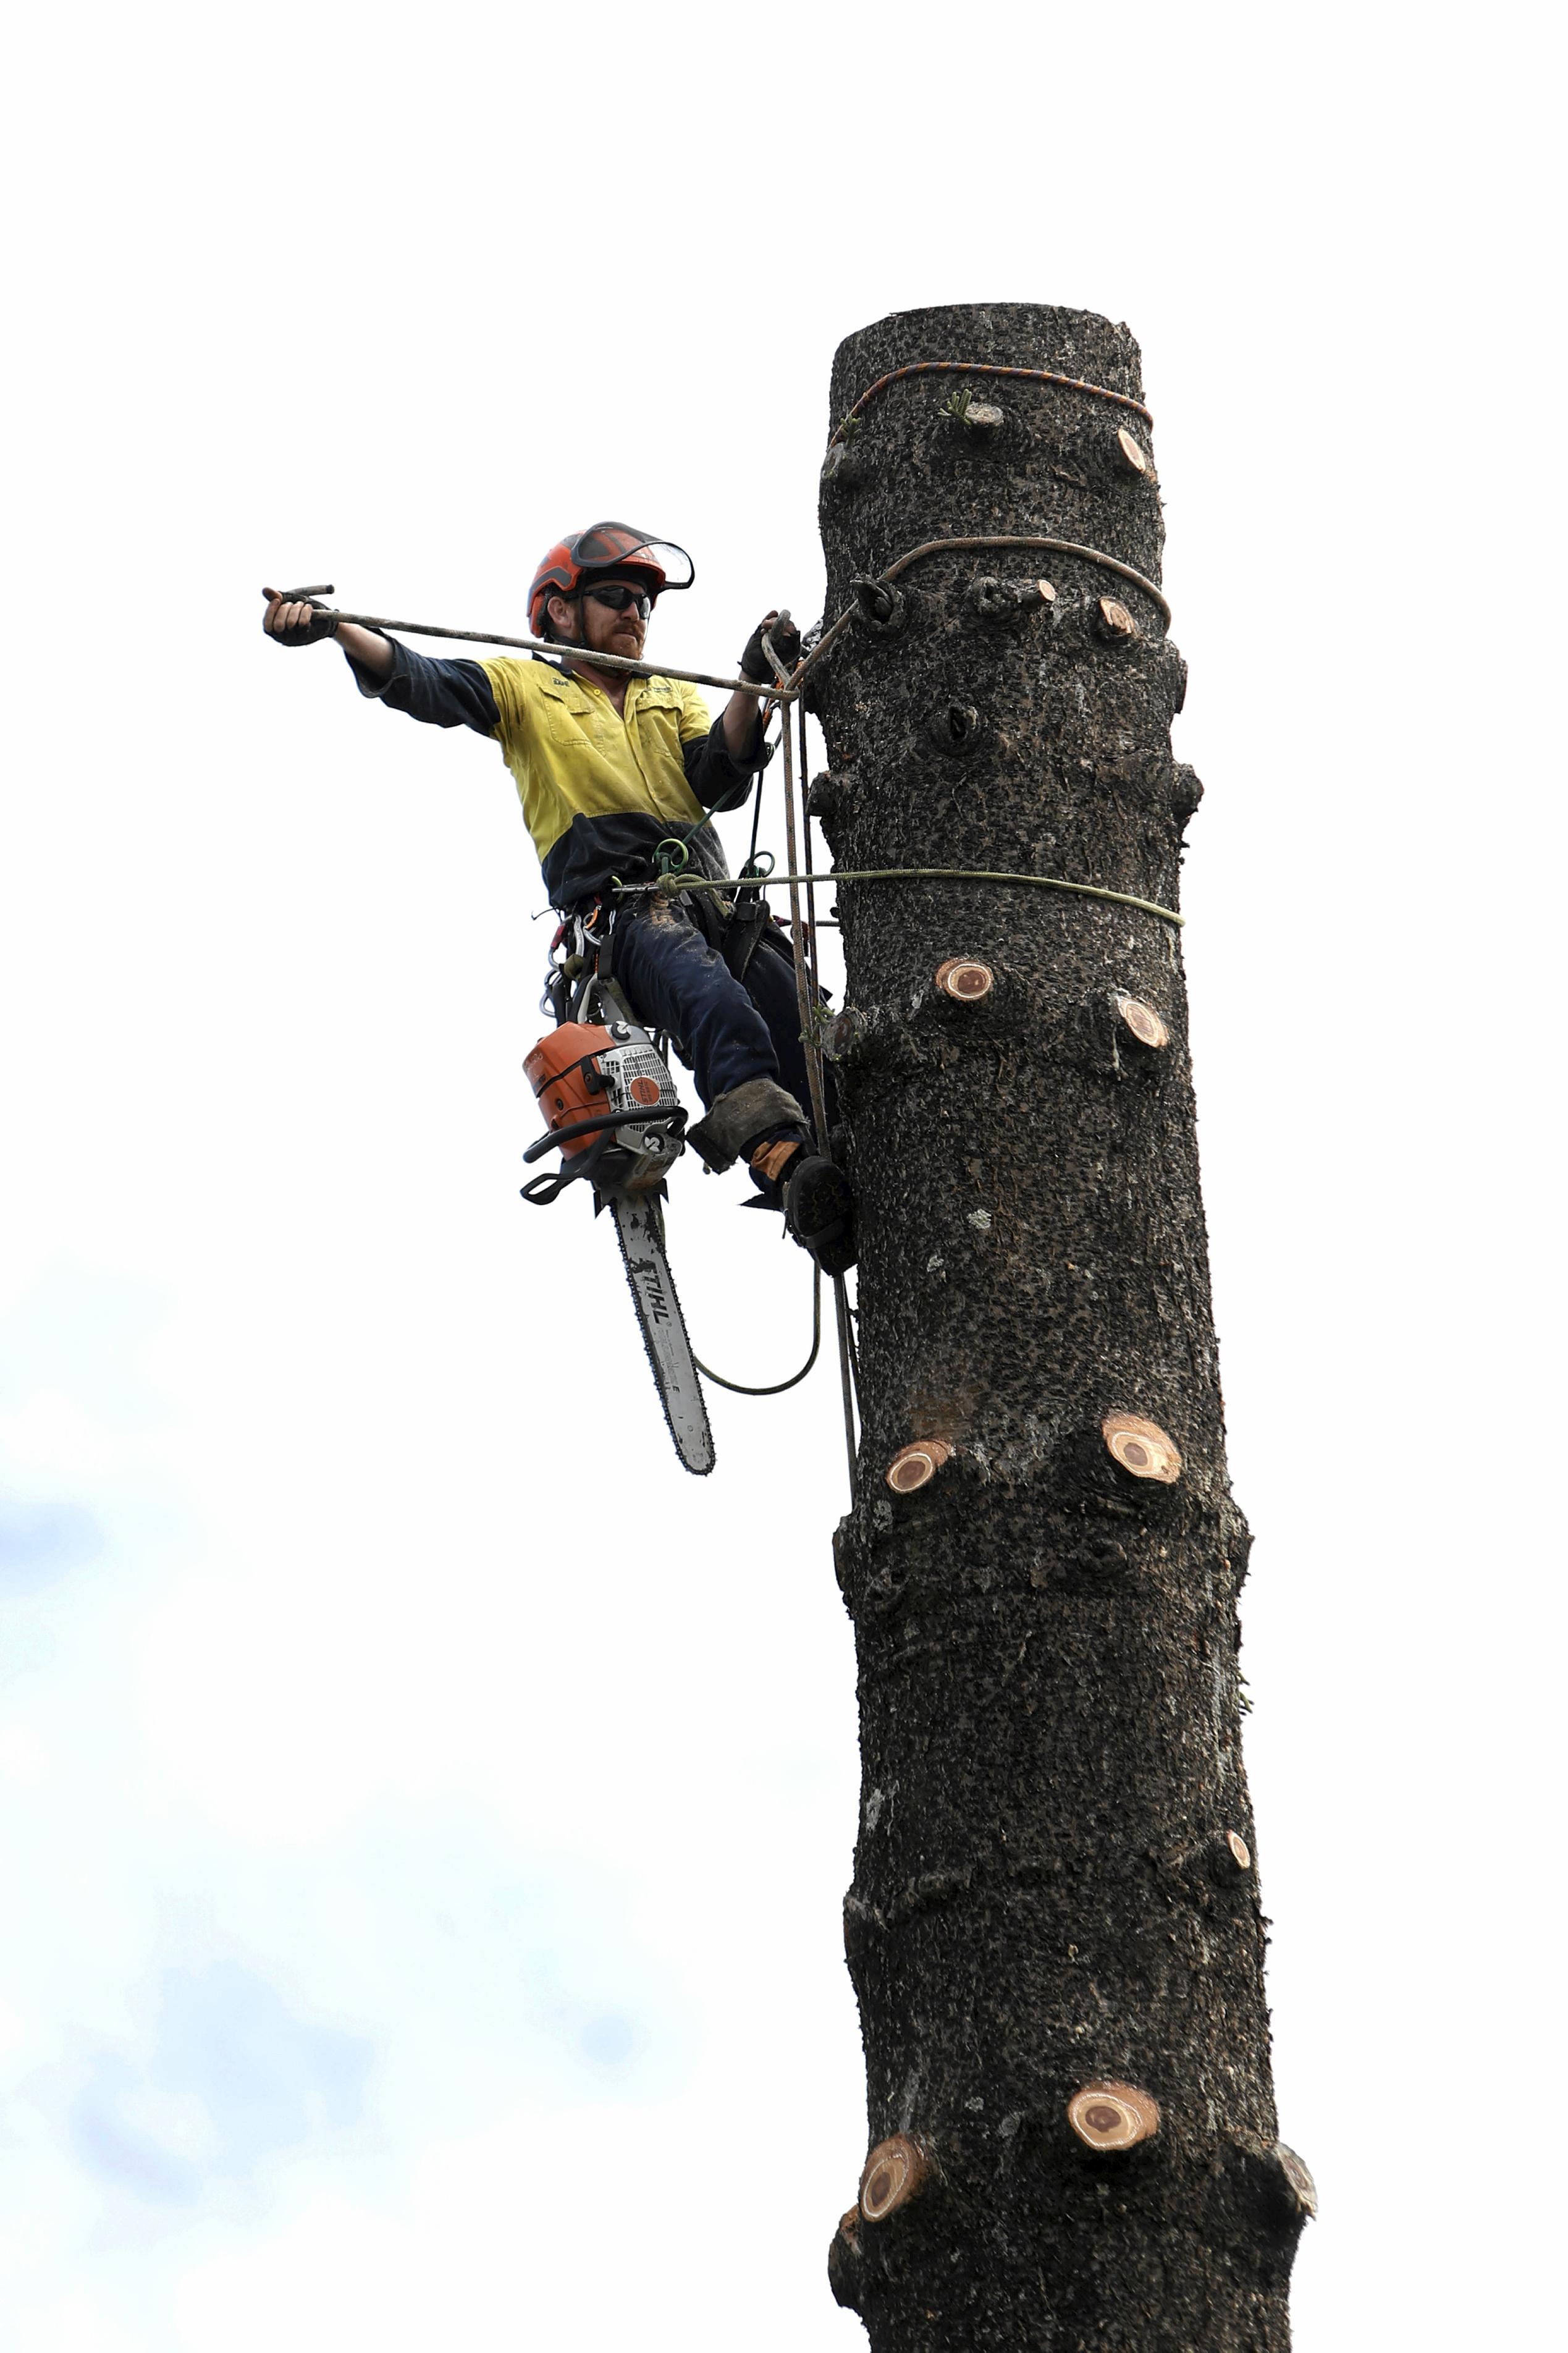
column 1045, row 1896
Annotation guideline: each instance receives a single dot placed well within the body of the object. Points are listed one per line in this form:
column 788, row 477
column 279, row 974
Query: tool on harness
column 750, row 918
column 610, row 1105
column 611, row 1108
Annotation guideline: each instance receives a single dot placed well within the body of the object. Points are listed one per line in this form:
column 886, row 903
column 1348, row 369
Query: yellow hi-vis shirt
column 573, row 754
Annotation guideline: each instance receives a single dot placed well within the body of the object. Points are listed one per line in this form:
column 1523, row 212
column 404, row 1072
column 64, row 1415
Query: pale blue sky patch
column 227, row 2076
column 40, row 1541
column 486, row 1972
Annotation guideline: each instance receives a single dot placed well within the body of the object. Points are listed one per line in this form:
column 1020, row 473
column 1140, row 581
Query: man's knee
column 735, row 1120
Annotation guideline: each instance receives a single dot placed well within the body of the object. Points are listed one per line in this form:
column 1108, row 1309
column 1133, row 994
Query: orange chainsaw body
column 583, row 1070
column 564, row 1075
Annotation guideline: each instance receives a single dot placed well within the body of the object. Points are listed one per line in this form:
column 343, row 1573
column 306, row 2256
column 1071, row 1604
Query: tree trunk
column 1054, row 1929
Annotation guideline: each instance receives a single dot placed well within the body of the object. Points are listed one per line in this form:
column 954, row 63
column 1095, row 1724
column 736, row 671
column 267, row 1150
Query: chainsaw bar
column 639, row 1228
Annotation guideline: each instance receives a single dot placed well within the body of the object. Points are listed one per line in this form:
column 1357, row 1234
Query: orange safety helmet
column 606, row 547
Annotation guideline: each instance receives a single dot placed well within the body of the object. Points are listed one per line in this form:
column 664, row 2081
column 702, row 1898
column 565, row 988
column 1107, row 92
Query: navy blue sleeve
column 441, row 693
column 719, row 781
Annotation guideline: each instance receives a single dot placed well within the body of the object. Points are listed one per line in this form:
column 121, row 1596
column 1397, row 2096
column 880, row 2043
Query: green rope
column 672, row 885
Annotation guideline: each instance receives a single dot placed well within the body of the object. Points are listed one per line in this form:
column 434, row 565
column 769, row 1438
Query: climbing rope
column 776, row 1389
column 671, row 885
column 1055, row 547
column 972, row 545
column 548, row 647
column 805, row 996
column 983, row 367
column 785, row 686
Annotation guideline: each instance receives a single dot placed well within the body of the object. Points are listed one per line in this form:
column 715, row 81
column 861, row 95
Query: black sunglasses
column 617, row 596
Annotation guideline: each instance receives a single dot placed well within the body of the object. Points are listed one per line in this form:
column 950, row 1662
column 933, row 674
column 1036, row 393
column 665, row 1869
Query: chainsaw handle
column 598, row 1126
column 549, row 1187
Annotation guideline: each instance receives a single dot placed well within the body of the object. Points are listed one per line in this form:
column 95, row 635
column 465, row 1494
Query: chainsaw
column 611, row 1109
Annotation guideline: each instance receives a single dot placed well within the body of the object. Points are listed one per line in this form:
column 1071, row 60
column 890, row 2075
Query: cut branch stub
column 981, row 417
column 1113, row 2115
column 956, row 728
column 843, row 469
column 1133, row 456
column 965, row 979
column 912, row 1466
column 844, row 2261
column 1046, row 591
column 897, row 2170
column 1238, row 1851
column 1299, row 2180
column 1144, row 1021
column 843, row 1033
column 1115, row 623
column 992, row 598
column 1142, row 1448
column 824, row 795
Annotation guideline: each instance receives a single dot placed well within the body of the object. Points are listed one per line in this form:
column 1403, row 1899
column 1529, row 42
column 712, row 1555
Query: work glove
column 754, row 664
column 297, row 624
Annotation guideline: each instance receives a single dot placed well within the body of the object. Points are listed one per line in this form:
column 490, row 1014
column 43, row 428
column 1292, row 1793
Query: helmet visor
column 605, row 545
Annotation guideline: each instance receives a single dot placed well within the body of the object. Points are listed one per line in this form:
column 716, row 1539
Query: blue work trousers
column 728, row 1030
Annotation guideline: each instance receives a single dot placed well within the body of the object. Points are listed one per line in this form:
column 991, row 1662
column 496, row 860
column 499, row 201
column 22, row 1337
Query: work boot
column 816, row 1197
column 819, row 1211
column 769, row 1159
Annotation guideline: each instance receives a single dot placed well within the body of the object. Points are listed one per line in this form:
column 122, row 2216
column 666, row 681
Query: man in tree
column 606, row 767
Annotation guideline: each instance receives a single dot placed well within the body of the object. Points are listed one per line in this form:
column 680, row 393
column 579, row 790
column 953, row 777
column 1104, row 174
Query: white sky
column 425, row 1811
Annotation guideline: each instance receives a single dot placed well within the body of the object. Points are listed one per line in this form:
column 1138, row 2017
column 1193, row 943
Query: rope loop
column 672, row 885
column 848, row 423
column 775, row 1388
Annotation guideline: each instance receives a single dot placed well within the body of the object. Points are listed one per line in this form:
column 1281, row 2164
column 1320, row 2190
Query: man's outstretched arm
column 441, row 693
